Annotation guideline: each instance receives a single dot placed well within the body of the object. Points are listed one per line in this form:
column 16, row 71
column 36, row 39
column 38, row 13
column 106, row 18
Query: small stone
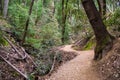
column 116, row 75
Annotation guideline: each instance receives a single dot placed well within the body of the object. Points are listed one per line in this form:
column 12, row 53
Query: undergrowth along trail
column 79, row 68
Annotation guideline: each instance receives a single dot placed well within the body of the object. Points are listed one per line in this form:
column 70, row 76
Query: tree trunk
column 99, row 5
column 103, row 38
column 54, row 8
column 1, row 8
column 5, row 10
column 27, row 23
column 64, row 17
column 63, row 25
column 102, row 7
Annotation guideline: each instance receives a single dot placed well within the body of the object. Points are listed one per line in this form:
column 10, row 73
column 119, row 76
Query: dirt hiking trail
column 79, row 68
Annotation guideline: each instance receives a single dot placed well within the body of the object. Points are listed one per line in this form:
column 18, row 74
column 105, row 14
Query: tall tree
column 64, row 17
column 1, row 6
column 27, row 22
column 102, row 7
column 5, row 10
column 103, row 38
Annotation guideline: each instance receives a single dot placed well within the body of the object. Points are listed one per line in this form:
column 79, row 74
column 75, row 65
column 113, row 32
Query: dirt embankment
column 109, row 67
column 78, row 65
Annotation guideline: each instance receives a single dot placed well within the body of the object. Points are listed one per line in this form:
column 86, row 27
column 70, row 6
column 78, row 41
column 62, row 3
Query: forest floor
column 79, row 68
column 77, row 65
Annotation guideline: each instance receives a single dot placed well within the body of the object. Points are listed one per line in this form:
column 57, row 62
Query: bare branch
column 25, row 76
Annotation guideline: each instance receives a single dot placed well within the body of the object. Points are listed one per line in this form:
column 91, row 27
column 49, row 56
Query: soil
column 8, row 73
column 77, row 65
column 109, row 67
column 79, row 68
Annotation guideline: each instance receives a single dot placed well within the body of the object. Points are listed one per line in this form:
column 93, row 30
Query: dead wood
column 25, row 76
column 29, row 56
column 53, row 65
column 14, row 47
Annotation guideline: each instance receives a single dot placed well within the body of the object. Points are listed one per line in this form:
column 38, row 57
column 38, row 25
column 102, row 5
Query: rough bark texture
column 5, row 10
column 103, row 38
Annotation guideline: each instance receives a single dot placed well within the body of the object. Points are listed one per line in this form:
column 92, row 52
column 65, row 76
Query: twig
column 53, row 65
column 23, row 57
column 25, row 76
column 12, row 45
column 28, row 56
column 9, row 54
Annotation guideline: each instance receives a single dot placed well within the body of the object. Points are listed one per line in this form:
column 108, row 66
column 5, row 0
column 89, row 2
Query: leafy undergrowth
column 7, row 73
column 109, row 67
column 61, row 58
column 44, row 61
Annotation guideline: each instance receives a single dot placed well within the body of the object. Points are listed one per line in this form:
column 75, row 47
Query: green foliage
column 31, row 77
column 90, row 44
column 50, row 34
column 114, row 19
column 111, row 5
column 113, row 23
column 46, row 3
column 2, row 40
column 18, row 14
column 41, row 32
column 44, row 60
column 44, row 27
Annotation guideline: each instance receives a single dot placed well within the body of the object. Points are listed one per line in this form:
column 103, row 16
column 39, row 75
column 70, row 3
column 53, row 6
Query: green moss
column 104, row 42
column 76, row 48
column 2, row 40
column 90, row 44
column 15, row 74
column 101, row 46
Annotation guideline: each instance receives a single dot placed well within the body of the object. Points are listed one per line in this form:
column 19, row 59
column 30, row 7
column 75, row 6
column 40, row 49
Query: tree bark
column 99, row 5
column 27, row 23
column 102, row 7
column 5, row 10
column 103, row 38
column 1, row 8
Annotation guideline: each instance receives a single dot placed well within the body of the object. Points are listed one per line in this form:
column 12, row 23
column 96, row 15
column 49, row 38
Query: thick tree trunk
column 103, row 38
column 27, row 23
column 5, row 10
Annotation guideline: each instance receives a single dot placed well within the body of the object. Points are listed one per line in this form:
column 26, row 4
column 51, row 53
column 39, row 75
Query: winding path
column 79, row 68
